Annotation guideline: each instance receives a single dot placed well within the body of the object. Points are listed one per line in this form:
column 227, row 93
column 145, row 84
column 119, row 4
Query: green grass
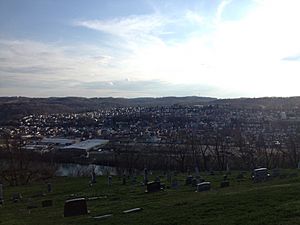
column 276, row 202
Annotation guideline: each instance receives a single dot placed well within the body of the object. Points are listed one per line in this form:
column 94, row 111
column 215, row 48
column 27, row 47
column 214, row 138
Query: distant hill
column 12, row 108
column 279, row 103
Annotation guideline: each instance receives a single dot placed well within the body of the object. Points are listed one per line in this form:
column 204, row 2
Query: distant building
column 48, row 144
column 283, row 116
column 84, row 147
column 59, row 142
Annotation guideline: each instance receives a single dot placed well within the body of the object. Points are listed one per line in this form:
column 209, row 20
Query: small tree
column 19, row 169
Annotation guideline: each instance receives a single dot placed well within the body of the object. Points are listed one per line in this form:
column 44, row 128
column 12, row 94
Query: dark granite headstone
column 16, row 197
column 145, row 176
column 224, row 183
column 194, row 182
column 169, row 177
column 293, row 175
column 157, row 179
column 75, row 207
column 153, row 187
column 49, row 187
column 93, row 178
column 133, row 180
column 124, row 180
column 240, row 177
column 275, row 172
column 174, row 183
column 204, row 186
column 188, row 180
column 259, row 175
column 109, row 180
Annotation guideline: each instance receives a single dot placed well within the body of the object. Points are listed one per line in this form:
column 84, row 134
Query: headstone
column 227, row 168
column 109, row 180
column 259, row 175
column 133, row 180
column 283, row 176
column 49, row 187
column 195, row 181
column 16, row 197
column 197, row 171
column 293, row 175
column 1, row 194
column 75, row 207
column 275, row 172
column 169, row 177
column 224, row 183
column 174, row 184
column 240, row 177
column 157, row 179
column 93, row 178
column 204, row 186
column 153, row 187
column 124, row 180
column 189, row 180
column 145, row 176
column 47, row 203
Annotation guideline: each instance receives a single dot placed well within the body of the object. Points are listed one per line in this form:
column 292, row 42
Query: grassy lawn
column 275, row 202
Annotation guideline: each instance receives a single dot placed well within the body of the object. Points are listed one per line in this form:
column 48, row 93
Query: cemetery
column 157, row 198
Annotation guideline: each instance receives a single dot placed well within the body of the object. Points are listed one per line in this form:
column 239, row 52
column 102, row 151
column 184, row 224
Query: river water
column 77, row 170
column 72, row 169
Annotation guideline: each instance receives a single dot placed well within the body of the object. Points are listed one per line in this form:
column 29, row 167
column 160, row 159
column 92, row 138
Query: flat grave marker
column 47, row 203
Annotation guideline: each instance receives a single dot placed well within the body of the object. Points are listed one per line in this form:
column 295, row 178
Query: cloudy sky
column 132, row 48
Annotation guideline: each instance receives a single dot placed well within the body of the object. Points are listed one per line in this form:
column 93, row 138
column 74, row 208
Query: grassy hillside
column 275, row 202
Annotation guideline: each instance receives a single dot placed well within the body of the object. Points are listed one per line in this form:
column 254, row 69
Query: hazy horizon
column 142, row 48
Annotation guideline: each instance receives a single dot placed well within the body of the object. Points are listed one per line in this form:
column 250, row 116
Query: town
column 210, row 137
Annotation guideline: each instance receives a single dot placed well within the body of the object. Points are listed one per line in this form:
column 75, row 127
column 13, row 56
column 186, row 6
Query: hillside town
column 150, row 130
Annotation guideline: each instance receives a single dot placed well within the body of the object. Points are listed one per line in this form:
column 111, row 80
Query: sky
column 138, row 48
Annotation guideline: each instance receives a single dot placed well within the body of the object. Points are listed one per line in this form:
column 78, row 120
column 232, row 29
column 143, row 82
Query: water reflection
column 77, row 170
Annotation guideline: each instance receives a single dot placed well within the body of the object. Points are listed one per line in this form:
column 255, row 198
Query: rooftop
column 88, row 144
column 60, row 141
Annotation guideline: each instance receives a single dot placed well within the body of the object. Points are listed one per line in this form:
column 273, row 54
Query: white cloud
column 127, row 26
column 220, row 9
column 36, row 61
column 245, row 57
column 194, row 17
